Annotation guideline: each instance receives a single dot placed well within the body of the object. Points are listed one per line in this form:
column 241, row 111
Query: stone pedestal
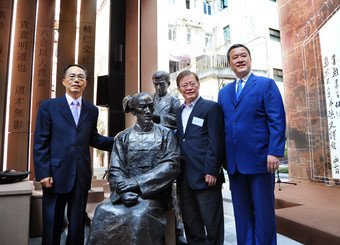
column 15, row 212
column 36, row 223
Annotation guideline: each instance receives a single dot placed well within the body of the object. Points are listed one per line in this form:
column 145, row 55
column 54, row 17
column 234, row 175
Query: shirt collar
column 244, row 79
column 70, row 99
column 191, row 104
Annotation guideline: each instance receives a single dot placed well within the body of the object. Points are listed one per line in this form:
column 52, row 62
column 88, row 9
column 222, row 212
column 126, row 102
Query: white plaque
column 330, row 51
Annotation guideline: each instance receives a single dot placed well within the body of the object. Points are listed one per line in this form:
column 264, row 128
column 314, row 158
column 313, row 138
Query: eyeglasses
column 186, row 85
column 73, row 76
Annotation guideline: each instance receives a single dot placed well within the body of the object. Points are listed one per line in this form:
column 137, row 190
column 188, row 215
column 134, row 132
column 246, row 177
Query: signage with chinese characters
column 330, row 50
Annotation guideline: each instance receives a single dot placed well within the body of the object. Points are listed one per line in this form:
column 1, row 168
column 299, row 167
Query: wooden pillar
column 132, row 51
column 19, row 105
column 66, row 41
column 43, row 62
column 141, row 50
column 117, row 66
column 148, row 32
column 6, row 8
column 87, row 30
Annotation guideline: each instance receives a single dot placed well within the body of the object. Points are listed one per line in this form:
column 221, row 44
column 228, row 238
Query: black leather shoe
column 180, row 240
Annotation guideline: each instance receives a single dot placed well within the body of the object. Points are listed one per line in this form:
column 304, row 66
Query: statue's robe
column 152, row 158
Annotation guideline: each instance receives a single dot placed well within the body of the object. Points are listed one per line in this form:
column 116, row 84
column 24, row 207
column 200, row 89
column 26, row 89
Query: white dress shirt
column 187, row 109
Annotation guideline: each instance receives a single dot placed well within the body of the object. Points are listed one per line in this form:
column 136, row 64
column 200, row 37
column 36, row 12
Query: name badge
column 198, row 121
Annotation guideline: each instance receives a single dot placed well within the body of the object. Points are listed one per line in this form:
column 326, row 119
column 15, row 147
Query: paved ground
column 229, row 224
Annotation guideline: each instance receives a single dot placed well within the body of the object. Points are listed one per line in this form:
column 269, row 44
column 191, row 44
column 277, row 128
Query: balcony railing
column 212, row 61
column 208, row 65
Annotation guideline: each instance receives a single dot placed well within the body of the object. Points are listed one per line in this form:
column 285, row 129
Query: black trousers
column 53, row 215
column 202, row 212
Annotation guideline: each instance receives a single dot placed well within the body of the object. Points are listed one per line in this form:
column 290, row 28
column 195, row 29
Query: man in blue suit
column 199, row 131
column 254, row 124
column 65, row 128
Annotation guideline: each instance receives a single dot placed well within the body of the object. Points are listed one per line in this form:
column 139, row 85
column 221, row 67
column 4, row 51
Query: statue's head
column 141, row 106
column 161, row 82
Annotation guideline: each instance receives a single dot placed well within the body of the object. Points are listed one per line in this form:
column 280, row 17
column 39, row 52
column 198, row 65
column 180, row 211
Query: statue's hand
column 156, row 118
column 129, row 199
column 127, row 185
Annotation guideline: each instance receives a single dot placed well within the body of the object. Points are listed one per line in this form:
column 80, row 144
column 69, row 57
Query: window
column 223, row 4
column 188, row 35
column 172, row 33
column 173, row 66
column 274, row 35
column 226, row 33
column 208, row 40
column 278, row 75
column 187, row 4
column 206, row 7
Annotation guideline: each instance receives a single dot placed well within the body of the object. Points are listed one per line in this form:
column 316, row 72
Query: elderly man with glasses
column 66, row 128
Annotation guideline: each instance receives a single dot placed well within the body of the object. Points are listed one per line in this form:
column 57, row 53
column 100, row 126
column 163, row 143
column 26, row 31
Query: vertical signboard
column 330, row 50
column 43, row 60
column 6, row 8
column 66, row 41
column 87, row 30
column 19, row 105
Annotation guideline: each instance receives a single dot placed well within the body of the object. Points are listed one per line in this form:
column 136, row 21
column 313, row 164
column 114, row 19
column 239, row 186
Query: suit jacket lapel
column 249, row 84
column 179, row 116
column 85, row 110
column 197, row 108
column 65, row 110
column 232, row 92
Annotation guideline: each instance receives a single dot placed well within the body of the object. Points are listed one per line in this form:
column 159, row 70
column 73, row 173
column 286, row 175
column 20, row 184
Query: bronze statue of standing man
column 165, row 104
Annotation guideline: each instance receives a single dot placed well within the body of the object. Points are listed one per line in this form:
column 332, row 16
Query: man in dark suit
column 65, row 128
column 200, row 135
column 254, row 122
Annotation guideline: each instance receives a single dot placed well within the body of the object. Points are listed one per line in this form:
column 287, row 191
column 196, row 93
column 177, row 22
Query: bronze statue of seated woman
column 145, row 161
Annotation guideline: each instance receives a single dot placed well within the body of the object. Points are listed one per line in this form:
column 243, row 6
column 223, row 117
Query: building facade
column 200, row 33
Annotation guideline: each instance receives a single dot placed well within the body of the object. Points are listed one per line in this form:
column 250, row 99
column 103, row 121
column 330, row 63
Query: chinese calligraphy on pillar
column 20, row 92
column 21, row 75
column 330, row 49
column 86, row 44
column 87, row 30
column 43, row 61
column 42, row 75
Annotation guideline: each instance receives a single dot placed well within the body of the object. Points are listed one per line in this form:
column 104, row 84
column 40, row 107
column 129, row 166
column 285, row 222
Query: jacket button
column 183, row 139
column 234, row 123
